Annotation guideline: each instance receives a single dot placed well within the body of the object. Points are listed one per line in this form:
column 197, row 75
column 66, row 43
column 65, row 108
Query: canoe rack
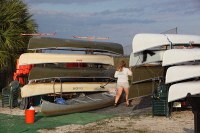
column 60, row 87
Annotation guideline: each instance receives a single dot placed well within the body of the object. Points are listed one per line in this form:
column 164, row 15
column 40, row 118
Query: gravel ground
column 135, row 119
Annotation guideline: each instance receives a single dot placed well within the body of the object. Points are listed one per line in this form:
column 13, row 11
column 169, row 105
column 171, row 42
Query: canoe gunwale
column 77, row 49
column 61, row 78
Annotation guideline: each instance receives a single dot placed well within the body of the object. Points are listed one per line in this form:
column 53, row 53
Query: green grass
column 16, row 124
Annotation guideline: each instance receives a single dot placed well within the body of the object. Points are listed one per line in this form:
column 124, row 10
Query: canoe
column 184, row 72
column 42, row 73
column 142, row 89
column 42, row 58
column 58, row 43
column 141, row 58
column 180, row 90
column 145, row 80
column 180, row 56
column 80, row 104
column 146, row 73
column 143, row 42
column 35, row 89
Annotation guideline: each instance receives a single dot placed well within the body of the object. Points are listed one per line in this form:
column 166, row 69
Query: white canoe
column 143, row 42
column 180, row 56
column 178, row 73
column 180, row 90
column 41, row 58
column 137, row 58
column 35, row 89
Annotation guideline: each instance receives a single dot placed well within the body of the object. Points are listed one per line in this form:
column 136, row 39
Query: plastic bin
column 160, row 105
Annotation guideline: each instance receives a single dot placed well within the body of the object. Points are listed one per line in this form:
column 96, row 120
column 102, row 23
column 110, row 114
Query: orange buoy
column 30, row 116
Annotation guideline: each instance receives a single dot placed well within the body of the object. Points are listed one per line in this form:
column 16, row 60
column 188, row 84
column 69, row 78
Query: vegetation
column 14, row 20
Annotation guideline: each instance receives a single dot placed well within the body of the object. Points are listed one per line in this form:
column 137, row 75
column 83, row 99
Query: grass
column 11, row 123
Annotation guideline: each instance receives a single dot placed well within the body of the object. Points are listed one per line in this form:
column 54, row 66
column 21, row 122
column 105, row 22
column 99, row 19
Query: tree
column 14, row 20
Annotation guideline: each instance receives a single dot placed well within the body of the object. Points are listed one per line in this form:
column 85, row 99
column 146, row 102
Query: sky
column 119, row 20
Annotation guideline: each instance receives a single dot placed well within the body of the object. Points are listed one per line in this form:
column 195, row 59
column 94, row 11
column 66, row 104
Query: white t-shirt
column 123, row 75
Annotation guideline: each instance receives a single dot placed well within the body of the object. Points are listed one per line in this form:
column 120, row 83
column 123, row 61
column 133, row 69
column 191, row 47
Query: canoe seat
column 10, row 94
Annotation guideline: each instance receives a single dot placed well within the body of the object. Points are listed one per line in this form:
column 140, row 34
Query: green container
column 10, row 94
column 160, row 105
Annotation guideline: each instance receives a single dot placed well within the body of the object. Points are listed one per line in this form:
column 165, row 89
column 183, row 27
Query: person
column 122, row 74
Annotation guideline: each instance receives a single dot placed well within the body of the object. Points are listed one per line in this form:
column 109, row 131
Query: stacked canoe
column 177, row 56
column 183, row 72
column 57, row 74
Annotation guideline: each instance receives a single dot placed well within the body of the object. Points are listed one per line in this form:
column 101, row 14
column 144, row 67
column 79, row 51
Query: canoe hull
column 143, row 42
column 180, row 56
column 42, row 58
column 180, row 90
column 50, row 109
column 35, row 89
column 40, row 73
column 138, row 59
column 184, row 72
column 56, row 43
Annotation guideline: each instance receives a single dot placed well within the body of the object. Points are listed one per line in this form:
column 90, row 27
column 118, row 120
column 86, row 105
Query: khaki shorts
column 123, row 85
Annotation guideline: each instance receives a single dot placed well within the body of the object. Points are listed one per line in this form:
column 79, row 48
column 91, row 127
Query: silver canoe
column 80, row 104
column 184, row 72
column 180, row 56
column 180, row 90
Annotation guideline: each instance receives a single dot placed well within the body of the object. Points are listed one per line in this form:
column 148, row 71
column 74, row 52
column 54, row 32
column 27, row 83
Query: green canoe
column 58, row 43
column 71, row 74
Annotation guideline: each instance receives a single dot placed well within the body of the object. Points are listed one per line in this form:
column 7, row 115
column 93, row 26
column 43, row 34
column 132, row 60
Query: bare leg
column 126, row 91
column 119, row 92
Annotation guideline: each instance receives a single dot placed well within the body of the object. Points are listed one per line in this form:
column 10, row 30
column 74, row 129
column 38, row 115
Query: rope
column 102, row 86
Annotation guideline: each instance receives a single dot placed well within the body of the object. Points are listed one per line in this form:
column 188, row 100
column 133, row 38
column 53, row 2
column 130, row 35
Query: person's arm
column 130, row 72
column 116, row 74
